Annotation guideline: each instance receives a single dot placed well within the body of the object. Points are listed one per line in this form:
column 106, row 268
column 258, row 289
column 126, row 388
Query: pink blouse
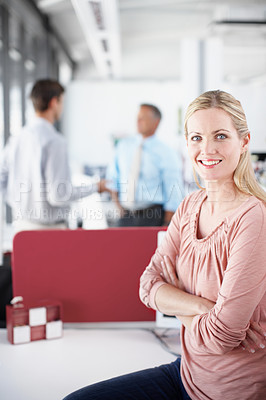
column 228, row 267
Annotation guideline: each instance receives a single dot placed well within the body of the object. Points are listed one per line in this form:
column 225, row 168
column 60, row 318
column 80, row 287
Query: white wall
column 94, row 111
column 253, row 100
column 251, row 94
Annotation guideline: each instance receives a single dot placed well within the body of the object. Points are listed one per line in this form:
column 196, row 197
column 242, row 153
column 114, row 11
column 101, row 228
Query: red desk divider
column 93, row 273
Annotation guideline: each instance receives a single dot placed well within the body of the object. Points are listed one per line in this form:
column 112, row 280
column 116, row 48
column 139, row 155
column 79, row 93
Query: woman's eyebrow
column 213, row 133
column 194, row 132
column 219, row 130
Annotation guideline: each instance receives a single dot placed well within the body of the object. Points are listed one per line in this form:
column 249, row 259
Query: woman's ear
column 245, row 143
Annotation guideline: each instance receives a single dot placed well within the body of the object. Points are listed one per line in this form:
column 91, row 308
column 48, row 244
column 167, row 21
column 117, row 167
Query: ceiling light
column 14, row 54
column 237, row 26
column 29, row 65
column 100, row 24
column 45, row 4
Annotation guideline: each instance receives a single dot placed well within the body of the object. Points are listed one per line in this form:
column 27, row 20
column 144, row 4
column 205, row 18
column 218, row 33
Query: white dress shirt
column 35, row 175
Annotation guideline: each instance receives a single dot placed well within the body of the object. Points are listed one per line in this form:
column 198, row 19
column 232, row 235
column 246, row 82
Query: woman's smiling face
column 214, row 145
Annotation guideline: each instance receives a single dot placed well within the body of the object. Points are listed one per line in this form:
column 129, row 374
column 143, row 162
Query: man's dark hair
column 43, row 91
column 157, row 113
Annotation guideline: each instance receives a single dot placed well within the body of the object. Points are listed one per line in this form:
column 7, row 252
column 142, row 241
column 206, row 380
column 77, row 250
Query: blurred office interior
column 112, row 55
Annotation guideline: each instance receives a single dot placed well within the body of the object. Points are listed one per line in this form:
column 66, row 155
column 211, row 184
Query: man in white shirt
column 35, row 175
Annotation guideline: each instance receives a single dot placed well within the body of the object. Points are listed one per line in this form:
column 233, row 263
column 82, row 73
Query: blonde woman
column 210, row 271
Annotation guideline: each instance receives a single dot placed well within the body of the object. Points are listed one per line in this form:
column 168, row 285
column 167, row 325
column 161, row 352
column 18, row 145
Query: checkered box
column 27, row 323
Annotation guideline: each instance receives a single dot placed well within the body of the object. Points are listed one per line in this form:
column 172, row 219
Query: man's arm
column 103, row 186
column 167, row 217
column 4, row 167
column 115, row 199
column 173, row 186
column 60, row 189
column 113, row 177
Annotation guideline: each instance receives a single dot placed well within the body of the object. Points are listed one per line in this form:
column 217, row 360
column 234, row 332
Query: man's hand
column 115, row 199
column 103, row 186
column 167, row 217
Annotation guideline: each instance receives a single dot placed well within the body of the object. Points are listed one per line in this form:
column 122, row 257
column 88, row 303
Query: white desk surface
column 50, row 369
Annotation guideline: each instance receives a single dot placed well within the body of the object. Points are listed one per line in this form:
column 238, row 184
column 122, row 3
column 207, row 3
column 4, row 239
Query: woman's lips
column 209, row 163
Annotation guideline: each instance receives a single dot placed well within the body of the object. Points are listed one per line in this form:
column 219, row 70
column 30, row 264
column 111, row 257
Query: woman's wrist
column 204, row 305
column 173, row 301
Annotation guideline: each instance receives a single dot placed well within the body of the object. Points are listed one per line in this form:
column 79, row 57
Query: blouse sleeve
column 151, row 279
column 242, row 289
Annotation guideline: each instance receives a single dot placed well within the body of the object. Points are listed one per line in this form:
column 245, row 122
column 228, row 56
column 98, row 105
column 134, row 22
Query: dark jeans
column 159, row 383
column 152, row 216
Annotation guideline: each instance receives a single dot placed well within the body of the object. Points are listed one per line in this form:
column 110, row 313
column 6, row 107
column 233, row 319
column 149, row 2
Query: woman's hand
column 169, row 272
column 170, row 277
column 255, row 338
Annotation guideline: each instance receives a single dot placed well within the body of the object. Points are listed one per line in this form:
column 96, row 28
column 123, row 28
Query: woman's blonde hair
column 244, row 176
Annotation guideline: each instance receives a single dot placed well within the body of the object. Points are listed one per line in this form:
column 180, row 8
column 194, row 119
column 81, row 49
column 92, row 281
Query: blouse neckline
column 196, row 219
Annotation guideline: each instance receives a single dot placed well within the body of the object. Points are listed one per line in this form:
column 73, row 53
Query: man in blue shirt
column 146, row 175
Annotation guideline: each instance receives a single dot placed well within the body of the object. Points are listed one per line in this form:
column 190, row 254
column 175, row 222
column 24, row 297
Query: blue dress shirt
column 160, row 179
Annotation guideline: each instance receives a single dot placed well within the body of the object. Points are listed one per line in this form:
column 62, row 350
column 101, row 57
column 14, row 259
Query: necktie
column 134, row 175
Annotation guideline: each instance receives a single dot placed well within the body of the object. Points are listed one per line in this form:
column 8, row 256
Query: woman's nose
column 208, row 147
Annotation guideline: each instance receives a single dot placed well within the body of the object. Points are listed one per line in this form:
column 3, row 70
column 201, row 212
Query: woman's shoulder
column 253, row 206
column 190, row 204
column 251, row 212
column 193, row 199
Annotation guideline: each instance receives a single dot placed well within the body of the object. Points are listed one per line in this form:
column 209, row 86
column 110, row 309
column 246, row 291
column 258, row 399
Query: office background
column 112, row 55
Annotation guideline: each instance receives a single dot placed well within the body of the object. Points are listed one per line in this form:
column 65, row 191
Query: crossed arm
column 170, row 299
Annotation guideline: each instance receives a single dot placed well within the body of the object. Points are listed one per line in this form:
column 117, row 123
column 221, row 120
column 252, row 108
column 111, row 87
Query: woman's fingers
column 169, row 272
column 165, row 274
column 255, row 338
column 256, row 327
column 246, row 346
column 256, row 334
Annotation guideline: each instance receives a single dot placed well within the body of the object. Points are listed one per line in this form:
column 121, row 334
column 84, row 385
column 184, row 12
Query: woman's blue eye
column 221, row 136
column 195, row 138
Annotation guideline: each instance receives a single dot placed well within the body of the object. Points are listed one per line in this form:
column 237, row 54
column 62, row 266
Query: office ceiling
column 145, row 36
